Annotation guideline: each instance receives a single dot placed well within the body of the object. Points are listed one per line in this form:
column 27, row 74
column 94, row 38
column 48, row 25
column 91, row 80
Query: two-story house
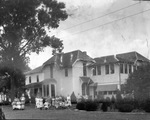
column 62, row 75
column 75, row 71
column 111, row 72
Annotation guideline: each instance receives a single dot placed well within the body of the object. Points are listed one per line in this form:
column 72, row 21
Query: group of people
column 19, row 103
column 55, row 102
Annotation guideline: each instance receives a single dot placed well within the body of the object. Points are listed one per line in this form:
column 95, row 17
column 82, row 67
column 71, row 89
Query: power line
column 111, row 22
column 100, row 16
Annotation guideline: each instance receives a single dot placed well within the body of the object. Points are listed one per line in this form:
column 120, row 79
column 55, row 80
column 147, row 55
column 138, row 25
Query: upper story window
column 107, row 69
column 94, row 70
column 30, row 79
column 51, row 71
column 112, row 70
column 37, row 78
column 84, row 69
column 121, row 68
column 99, row 70
column 130, row 69
column 66, row 72
column 126, row 68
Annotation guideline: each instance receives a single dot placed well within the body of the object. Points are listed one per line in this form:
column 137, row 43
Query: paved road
column 31, row 113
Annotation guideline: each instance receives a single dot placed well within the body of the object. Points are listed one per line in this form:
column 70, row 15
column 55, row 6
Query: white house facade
column 75, row 71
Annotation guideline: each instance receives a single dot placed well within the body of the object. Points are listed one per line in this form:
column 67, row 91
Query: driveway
column 31, row 112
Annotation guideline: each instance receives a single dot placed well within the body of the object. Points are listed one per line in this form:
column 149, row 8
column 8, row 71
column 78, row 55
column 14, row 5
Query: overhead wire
column 110, row 22
column 101, row 16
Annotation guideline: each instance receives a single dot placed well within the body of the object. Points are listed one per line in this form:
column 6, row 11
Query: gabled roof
column 36, row 70
column 129, row 57
column 68, row 59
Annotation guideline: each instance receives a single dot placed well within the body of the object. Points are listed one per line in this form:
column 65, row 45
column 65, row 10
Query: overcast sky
column 86, row 29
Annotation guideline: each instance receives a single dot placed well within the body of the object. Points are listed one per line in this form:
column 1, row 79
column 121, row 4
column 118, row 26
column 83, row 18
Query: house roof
column 129, row 57
column 34, row 85
column 68, row 59
column 36, row 70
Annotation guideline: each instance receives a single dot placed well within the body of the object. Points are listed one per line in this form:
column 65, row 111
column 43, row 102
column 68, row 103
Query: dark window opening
column 37, row 77
column 121, row 68
column 107, row 69
column 30, row 79
column 112, row 70
column 84, row 69
column 99, row 70
column 94, row 70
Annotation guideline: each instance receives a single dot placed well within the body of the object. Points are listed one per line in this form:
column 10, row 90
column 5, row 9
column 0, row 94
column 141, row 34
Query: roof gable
column 68, row 59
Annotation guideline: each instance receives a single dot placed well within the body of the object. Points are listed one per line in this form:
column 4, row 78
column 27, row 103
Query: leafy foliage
column 12, row 75
column 23, row 28
column 138, row 82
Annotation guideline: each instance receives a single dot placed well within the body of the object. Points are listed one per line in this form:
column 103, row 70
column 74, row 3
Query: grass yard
column 31, row 112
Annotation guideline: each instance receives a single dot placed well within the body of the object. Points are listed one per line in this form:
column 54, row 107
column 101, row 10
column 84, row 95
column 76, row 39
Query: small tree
column 138, row 82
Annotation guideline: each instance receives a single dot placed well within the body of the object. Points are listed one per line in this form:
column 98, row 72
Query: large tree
column 23, row 25
column 23, row 29
column 138, row 82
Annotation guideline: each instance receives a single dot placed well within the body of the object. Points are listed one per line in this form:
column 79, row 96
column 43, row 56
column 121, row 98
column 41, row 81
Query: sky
column 101, row 28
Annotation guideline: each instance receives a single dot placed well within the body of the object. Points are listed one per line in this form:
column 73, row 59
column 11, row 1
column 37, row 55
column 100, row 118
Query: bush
column 125, row 107
column 80, row 106
column 87, row 105
column 73, row 98
column 147, row 106
column 104, row 106
column 91, row 105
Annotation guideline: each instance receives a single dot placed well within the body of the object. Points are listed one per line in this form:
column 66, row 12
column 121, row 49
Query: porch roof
column 112, row 87
column 86, row 80
column 34, row 85
column 52, row 80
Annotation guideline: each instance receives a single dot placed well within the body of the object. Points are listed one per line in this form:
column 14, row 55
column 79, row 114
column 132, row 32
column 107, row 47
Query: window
column 110, row 92
column 105, row 92
column 30, row 79
column 66, row 72
column 37, row 78
column 52, row 90
column 99, row 70
column 121, row 68
column 44, row 87
column 47, row 90
column 126, row 68
column 112, row 68
column 130, row 69
column 84, row 69
column 107, row 69
column 51, row 71
column 94, row 70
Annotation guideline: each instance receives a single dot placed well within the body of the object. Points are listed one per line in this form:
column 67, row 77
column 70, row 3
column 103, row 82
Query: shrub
column 125, row 107
column 73, row 98
column 147, row 106
column 91, row 105
column 104, row 106
column 80, row 106
column 87, row 105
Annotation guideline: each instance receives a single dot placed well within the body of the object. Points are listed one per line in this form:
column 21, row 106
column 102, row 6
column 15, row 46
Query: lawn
column 69, row 114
